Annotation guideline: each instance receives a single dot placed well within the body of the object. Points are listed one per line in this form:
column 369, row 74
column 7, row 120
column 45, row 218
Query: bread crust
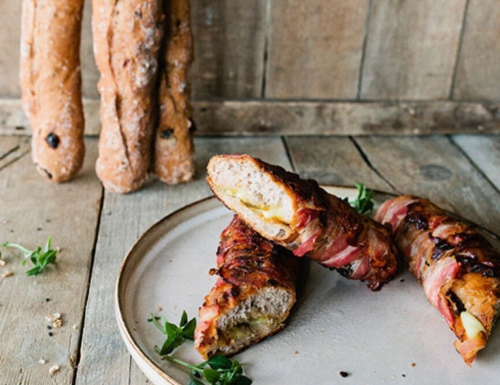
column 51, row 85
column 127, row 38
column 323, row 227
column 247, row 266
column 174, row 146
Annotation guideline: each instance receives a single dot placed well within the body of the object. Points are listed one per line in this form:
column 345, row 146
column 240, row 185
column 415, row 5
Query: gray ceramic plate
column 391, row 336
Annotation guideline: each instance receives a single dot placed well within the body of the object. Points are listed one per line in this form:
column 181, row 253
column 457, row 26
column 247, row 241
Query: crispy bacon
column 353, row 244
column 318, row 225
column 457, row 267
column 253, row 295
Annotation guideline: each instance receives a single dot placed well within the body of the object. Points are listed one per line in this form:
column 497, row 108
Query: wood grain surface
column 12, row 148
column 344, row 118
column 484, row 152
column 306, row 118
column 10, row 22
column 478, row 72
column 333, row 161
column 229, row 48
column 96, row 229
column 347, row 50
column 411, row 49
column 315, row 48
column 90, row 73
column 433, row 167
column 32, row 210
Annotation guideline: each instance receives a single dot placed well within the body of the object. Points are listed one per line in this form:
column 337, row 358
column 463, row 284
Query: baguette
column 174, row 147
column 302, row 217
column 457, row 267
column 253, row 295
column 127, row 38
column 51, row 85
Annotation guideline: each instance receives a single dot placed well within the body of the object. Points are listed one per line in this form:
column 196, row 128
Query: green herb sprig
column 363, row 203
column 39, row 257
column 176, row 335
column 218, row 370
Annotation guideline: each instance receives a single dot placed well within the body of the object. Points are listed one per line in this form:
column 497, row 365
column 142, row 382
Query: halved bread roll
column 304, row 218
column 253, row 295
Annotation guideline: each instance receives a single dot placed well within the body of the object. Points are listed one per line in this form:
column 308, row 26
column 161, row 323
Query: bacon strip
column 252, row 296
column 457, row 267
column 314, row 224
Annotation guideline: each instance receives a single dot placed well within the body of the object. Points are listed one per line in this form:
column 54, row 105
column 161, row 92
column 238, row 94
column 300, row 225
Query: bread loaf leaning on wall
column 127, row 39
column 51, row 85
column 174, row 147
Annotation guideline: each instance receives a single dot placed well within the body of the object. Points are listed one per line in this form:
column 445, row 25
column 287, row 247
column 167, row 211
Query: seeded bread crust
column 174, row 147
column 51, row 85
column 127, row 38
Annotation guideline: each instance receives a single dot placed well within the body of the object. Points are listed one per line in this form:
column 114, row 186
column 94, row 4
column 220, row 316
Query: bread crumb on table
column 2, row 262
column 41, row 361
column 55, row 320
column 54, row 369
column 7, row 274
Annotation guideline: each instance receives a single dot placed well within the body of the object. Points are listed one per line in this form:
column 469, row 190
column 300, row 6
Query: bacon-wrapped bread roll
column 304, row 218
column 457, row 267
column 253, row 295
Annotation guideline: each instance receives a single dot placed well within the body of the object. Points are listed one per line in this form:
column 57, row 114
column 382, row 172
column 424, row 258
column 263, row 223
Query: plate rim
column 124, row 331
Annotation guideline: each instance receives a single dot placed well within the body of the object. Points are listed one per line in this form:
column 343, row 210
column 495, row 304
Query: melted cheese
column 274, row 213
column 471, row 324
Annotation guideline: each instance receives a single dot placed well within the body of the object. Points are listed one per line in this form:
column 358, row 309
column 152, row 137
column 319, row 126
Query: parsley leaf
column 176, row 335
column 217, row 370
column 39, row 257
column 363, row 204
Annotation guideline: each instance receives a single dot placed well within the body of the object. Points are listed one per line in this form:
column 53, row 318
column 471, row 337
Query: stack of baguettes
column 143, row 51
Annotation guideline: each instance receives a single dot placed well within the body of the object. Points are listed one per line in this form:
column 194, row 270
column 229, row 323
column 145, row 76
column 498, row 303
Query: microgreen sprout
column 217, row 370
column 176, row 335
column 39, row 257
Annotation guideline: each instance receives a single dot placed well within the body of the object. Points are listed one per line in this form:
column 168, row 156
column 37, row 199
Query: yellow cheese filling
column 471, row 324
column 252, row 327
column 274, row 213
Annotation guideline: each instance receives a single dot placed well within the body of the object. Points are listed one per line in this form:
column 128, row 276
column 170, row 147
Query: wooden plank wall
column 322, row 55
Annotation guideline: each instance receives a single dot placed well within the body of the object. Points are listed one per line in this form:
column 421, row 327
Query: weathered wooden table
column 95, row 228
